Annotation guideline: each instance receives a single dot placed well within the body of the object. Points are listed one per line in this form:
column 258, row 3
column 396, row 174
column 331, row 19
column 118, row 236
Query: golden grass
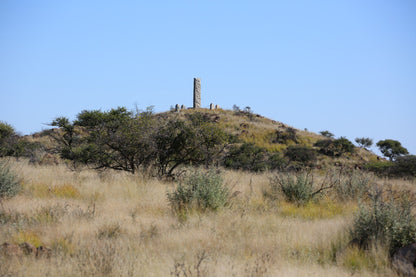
column 322, row 209
column 26, row 236
column 118, row 224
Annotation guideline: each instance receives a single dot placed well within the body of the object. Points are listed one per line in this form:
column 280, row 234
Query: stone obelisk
column 197, row 93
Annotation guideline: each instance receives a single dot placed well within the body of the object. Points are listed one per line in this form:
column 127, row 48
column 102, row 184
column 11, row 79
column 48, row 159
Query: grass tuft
column 27, row 236
column 42, row 190
column 315, row 209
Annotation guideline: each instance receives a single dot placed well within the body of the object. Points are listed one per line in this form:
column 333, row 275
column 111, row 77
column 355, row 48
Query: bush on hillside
column 381, row 168
column 405, row 166
column 335, row 147
column 286, row 136
column 244, row 112
column 202, row 191
column 247, row 156
column 304, row 155
column 276, row 161
column 8, row 138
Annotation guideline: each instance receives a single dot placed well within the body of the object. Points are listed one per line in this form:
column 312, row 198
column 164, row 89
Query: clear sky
column 346, row 66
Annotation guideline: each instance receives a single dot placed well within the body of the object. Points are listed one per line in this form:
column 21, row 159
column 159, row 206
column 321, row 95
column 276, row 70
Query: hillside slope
column 263, row 132
column 243, row 127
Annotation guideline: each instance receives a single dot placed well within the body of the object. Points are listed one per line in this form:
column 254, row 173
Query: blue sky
column 344, row 66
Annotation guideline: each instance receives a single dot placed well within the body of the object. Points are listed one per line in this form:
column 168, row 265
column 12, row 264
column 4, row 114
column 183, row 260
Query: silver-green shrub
column 202, row 191
column 298, row 188
column 9, row 183
column 386, row 219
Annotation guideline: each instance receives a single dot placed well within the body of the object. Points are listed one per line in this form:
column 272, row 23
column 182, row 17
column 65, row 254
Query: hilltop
column 235, row 139
column 264, row 132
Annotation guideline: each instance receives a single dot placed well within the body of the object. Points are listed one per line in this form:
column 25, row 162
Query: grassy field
column 118, row 224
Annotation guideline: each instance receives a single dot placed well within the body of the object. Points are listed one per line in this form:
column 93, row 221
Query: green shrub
column 276, row 161
column 9, row 183
column 202, row 191
column 302, row 154
column 402, row 166
column 405, row 166
column 387, row 220
column 284, row 137
column 251, row 157
column 297, row 188
column 8, row 139
column 379, row 167
column 248, row 156
column 335, row 147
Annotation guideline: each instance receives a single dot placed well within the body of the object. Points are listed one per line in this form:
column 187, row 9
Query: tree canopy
column 391, row 148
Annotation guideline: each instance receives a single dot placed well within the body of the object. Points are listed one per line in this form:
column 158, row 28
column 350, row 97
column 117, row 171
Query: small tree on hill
column 391, row 148
column 327, row 134
column 364, row 142
column 193, row 141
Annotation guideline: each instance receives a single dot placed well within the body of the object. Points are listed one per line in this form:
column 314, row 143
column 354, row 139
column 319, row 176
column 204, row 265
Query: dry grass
column 118, row 224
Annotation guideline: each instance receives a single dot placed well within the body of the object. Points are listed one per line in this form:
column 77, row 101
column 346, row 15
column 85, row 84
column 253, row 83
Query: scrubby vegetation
column 162, row 144
column 217, row 224
column 200, row 193
column 385, row 220
column 335, row 147
column 9, row 183
column 295, row 188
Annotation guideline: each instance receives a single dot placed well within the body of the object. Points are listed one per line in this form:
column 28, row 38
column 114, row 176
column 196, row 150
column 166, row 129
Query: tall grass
column 122, row 225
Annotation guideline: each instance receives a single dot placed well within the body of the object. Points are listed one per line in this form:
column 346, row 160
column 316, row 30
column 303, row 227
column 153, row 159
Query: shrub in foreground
column 297, row 188
column 9, row 183
column 386, row 220
column 202, row 191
